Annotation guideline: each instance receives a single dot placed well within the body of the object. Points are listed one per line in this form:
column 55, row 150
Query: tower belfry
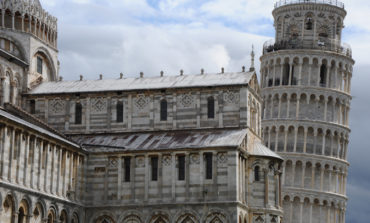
column 306, row 84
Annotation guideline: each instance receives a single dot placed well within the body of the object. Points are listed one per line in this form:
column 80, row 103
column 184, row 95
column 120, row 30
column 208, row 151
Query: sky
column 132, row 36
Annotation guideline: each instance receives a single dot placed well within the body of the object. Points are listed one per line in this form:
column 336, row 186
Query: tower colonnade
column 293, row 104
column 306, row 85
column 307, row 139
column 320, row 70
column 29, row 17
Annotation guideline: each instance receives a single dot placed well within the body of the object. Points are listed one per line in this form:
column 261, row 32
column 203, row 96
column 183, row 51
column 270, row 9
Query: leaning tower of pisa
column 306, row 83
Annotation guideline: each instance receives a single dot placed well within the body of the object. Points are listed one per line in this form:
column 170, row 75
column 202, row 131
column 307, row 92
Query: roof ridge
column 144, row 83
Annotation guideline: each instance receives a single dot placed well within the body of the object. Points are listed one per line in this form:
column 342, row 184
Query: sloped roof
column 145, row 83
column 39, row 128
column 170, row 140
column 260, row 150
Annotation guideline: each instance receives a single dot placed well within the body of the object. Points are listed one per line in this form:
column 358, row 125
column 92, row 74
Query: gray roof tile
column 146, row 83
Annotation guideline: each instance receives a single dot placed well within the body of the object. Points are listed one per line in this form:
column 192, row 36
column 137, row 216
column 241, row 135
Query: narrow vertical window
column 39, row 65
column 181, row 160
column 323, row 70
column 154, row 163
column 257, row 173
column 31, row 151
column 211, row 107
column 286, row 74
column 16, row 146
column 32, row 106
column 163, row 110
column 43, row 156
column 119, row 109
column 293, row 79
column 208, row 159
column 78, row 114
column 127, row 164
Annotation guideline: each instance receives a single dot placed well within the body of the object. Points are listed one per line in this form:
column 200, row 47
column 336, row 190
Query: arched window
column 309, row 23
column 323, row 70
column 211, row 107
column 163, row 110
column 119, row 109
column 78, row 114
column 257, row 173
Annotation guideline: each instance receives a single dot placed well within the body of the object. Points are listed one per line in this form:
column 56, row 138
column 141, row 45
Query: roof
column 38, row 128
column 260, row 150
column 145, row 83
column 170, row 140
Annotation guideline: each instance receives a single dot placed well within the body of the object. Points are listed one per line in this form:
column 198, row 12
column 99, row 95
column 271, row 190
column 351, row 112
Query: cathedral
column 208, row 147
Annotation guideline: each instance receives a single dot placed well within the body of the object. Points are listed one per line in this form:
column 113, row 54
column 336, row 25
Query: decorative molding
column 141, row 101
column 186, row 100
column 231, row 97
column 57, row 106
column 98, row 105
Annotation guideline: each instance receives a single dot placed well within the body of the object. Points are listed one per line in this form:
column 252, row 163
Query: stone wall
column 186, row 109
column 40, row 176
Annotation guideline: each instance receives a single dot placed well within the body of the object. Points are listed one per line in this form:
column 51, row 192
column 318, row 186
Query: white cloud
column 148, row 48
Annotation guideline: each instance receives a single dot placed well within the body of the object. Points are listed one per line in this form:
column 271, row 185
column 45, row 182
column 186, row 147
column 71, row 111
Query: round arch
column 186, row 217
column 131, row 216
column 23, row 211
column 75, row 218
column 159, row 217
column 63, row 217
column 49, row 60
column 104, row 219
column 215, row 216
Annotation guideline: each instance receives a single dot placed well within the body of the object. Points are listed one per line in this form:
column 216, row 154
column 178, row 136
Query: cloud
column 131, row 49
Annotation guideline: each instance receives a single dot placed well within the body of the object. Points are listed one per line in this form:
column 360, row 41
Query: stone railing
column 320, row 44
column 327, row 2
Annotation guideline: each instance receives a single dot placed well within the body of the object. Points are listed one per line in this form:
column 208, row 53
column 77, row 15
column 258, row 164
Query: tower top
column 336, row 3
column 309, row 25
column 252, row 60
